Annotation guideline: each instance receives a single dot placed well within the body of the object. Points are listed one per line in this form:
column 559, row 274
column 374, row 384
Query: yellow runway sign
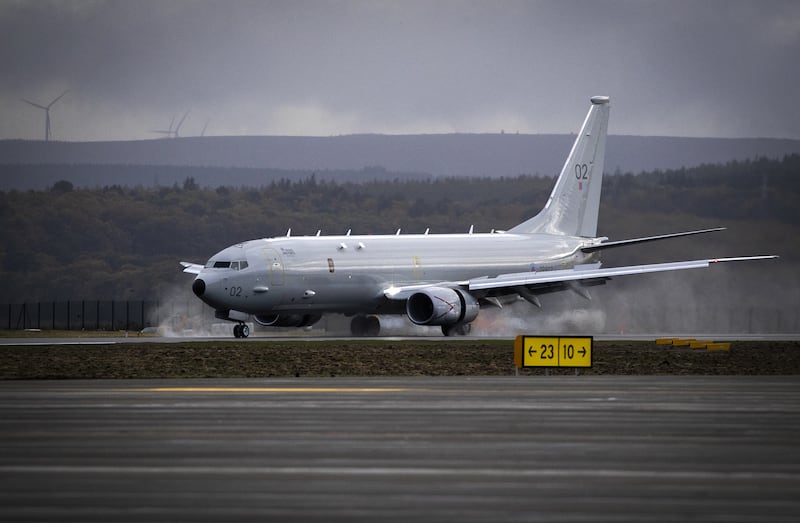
column 553, row 351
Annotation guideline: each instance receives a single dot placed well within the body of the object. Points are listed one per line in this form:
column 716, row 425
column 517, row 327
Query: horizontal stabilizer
column 633, row 241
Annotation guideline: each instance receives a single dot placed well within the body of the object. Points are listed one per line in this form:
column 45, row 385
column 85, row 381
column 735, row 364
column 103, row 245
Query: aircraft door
column 277, row 275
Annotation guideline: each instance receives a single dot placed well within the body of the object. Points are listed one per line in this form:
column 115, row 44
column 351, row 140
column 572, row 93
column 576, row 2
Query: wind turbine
column 173, row 133
column 47, row 113
column 168, row 132
column 178, row 128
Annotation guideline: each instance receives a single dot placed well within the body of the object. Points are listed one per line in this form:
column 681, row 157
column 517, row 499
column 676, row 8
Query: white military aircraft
column 434, row 279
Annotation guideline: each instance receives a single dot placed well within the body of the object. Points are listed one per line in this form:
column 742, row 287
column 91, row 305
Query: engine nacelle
column 441, row 306
column 286, row 320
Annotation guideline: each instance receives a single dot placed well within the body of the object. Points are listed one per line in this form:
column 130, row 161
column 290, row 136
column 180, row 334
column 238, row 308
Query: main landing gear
column 241, row 330
column 365, row 326
column 459, row 329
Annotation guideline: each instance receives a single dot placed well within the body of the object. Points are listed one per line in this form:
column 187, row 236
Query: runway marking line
column 272, row 389
column 686, row 475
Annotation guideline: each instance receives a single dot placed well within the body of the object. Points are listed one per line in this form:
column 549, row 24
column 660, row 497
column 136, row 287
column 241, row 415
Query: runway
column 113, row 340
column 590, row 448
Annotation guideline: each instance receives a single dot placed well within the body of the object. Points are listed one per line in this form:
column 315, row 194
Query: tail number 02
column 581, row 171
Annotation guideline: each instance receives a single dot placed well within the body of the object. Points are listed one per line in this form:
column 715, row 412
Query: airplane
column 434, row 279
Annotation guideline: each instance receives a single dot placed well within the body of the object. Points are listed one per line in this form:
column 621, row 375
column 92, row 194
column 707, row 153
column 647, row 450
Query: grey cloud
column 672, row 68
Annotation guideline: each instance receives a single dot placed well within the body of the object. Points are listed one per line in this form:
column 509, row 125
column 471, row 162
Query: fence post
column 21, row 317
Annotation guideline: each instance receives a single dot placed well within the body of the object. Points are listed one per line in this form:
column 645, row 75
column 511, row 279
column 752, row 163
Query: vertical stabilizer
column 574, row 204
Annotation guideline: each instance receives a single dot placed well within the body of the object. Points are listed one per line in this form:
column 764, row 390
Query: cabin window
column 330, row 265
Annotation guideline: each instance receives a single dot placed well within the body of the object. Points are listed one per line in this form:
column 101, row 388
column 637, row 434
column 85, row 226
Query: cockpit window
column 234, row 265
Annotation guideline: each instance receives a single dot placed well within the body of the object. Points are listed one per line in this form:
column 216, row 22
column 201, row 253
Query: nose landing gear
column 241, row 330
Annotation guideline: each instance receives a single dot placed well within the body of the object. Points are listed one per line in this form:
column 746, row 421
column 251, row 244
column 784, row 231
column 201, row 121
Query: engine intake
column 441, row 306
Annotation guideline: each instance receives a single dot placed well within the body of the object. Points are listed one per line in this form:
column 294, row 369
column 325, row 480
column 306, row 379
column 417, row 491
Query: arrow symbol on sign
column 582, row 352
column 531, row 352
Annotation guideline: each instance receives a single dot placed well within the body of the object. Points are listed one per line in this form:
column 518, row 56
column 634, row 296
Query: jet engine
column 286, row 320
column 441, row 306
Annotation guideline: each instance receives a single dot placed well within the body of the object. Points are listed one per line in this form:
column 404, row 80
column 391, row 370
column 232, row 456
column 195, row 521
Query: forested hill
column 117, row 241
column 23, row 177
column 437, row 155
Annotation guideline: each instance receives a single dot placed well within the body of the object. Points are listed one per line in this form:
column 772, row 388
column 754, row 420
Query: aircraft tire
column 357, row 325
column 459, row 329
column 373, row 326
column 365, row 326
column 244, row 330
column 237, row 331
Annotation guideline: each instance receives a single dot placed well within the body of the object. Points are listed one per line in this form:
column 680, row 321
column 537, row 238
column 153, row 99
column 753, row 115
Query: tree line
column 119, row 242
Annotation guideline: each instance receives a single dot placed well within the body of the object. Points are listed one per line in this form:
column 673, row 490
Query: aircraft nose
column 199, row 287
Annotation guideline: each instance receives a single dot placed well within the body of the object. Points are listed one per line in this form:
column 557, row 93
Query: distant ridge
column 435, row 154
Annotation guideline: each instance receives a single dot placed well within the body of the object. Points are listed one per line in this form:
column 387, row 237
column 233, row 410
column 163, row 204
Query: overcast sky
column 680, row 68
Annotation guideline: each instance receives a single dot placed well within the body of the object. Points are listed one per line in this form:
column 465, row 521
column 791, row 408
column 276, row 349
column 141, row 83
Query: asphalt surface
column 558, row 448
column 111, row 340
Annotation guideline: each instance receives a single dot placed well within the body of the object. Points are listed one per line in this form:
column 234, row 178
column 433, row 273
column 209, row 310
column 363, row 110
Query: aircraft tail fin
column 574, row 204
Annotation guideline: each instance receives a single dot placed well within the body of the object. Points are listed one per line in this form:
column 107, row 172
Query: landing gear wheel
column 365, row 326
column 241, row 331
column 459, row 329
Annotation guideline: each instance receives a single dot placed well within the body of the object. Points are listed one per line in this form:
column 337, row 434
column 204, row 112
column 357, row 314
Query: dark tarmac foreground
column 529, row 448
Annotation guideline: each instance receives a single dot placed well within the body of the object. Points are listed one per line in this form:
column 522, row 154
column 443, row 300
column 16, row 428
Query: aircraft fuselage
column 344, row 273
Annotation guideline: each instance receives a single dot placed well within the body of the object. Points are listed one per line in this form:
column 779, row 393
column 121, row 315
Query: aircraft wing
column 191, row 268
column 405, row 291
column 547, row 278
column 593, row 272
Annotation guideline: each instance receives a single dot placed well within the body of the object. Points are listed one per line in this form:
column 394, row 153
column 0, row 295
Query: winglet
column 745, row 258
